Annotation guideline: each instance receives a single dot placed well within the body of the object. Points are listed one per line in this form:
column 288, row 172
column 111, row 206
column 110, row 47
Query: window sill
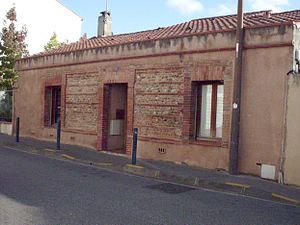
column 54, row 126
column 214, row 142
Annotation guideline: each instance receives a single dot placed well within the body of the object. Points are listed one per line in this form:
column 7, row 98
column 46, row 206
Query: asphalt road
column 39, row 190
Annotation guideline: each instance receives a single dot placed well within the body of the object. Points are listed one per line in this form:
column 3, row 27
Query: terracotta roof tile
column 197, row 26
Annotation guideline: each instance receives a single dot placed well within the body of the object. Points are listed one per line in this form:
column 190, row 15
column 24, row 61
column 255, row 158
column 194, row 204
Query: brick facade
column 160, row 101
column 160, row 76
column 164, row 103
column 81, row 102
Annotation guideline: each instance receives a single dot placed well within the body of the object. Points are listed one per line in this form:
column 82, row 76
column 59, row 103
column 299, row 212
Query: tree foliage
column 6, row 106
column 12, row 47
column 53, row 43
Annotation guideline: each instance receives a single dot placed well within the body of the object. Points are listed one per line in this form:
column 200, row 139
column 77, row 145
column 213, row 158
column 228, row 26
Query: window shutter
column 47, row 106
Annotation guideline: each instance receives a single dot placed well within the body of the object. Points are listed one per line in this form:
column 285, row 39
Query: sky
column 138, row 15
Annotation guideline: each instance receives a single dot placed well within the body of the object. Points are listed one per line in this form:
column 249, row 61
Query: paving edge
column 281, row 197
column 68, row 157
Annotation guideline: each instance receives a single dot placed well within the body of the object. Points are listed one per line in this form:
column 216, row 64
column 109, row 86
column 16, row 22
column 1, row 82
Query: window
column 52, row 105
column 209, row 110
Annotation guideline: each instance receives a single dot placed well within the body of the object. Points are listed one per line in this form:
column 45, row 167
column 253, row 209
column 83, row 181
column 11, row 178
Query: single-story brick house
column 174, row 84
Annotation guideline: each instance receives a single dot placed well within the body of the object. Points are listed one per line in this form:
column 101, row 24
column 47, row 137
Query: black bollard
column 134, row 145
column 18, row 129
column 58, row 134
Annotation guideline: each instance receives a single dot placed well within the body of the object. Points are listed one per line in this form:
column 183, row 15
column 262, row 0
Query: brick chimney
column 105, row 24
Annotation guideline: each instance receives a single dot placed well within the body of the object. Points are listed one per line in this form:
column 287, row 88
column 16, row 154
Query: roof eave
column 165, row 38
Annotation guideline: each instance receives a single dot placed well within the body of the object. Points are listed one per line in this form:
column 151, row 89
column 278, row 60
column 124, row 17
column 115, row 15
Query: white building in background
column 42, row 18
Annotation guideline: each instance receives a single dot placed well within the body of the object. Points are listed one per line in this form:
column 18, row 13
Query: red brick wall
column 81, row 102
column 115, row 75
column 159, row 103
column 164, row 101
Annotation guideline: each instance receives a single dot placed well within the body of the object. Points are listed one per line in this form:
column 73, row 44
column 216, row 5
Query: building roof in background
column 193, row 27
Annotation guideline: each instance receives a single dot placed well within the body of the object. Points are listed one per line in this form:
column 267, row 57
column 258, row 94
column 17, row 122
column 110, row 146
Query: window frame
column 214, row 106
column 52, row 110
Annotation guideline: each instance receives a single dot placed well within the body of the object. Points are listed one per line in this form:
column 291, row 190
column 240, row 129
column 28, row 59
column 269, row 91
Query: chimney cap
column 268, row 14
column 106, row 12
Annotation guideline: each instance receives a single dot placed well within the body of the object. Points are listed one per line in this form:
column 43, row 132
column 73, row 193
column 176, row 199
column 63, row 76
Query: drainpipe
column 283, row 144
column 237, row 82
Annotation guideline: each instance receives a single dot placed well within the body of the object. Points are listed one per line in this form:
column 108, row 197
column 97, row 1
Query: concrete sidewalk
column 166, row 171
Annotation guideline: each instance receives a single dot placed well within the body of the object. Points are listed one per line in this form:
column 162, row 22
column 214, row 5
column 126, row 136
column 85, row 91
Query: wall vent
column 162, row 150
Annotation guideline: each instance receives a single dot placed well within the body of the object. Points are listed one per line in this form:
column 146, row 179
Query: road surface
column 39, row 190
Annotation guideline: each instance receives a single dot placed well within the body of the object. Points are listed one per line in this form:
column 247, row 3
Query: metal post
column 134, row 145
column 18, row 129
column 58, row 134
column 237, row 82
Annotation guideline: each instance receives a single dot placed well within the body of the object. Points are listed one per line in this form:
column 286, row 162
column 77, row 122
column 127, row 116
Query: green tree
column 53, row 43
column 12, row 47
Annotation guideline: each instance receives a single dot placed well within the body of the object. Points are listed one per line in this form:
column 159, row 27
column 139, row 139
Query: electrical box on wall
column 268, row 171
